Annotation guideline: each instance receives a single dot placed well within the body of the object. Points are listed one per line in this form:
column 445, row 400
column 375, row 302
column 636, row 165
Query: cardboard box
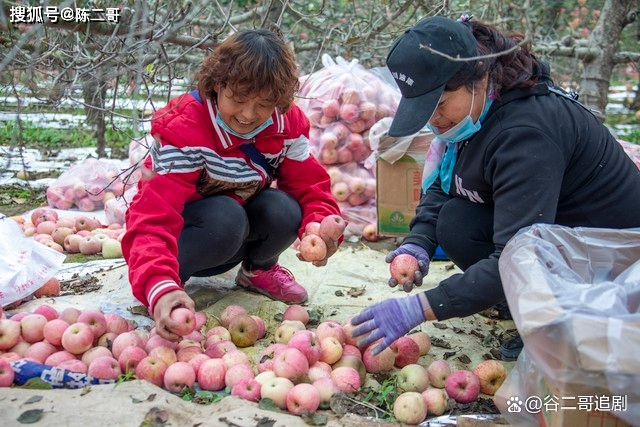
column 398, row 184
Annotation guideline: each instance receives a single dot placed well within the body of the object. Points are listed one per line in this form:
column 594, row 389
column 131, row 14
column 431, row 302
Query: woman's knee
column 275, row 207
column 219, row 216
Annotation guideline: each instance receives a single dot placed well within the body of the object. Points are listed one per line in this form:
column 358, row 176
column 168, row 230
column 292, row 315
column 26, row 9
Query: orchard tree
column 155, row 48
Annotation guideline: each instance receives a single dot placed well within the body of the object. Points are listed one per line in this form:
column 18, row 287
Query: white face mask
column 466, row 127
column 247, row 135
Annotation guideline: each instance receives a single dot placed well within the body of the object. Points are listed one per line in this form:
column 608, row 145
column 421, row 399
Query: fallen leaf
column 155, row 417
column 439, row 342
column 356, row 292
column 448, row 354
column 30, row 417
column 33, row 399
column 440, row 325
column 464, row 359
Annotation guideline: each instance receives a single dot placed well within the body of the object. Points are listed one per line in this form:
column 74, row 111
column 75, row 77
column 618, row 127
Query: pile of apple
column 86, row 185
column 72, row 234
column 299, row 369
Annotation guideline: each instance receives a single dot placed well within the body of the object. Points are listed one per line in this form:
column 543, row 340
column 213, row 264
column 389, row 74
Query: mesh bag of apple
column 297, row 365
column 343, row 100
column 86, row 185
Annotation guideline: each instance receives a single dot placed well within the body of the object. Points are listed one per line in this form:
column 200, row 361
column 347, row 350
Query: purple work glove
column 389, row 320
column 423, row 263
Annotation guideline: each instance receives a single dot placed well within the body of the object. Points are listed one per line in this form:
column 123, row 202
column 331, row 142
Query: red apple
column 313, row 248
column 95, row 319
column 438, row 371
column 47, row 311
column 186, row 321
column 130, row 358
column 7, row 373
column 332, row 227
column 40, row 351
column 307, row 342
column 236, row 373
column 151, row 369
column 286, row 329
column 229, row 313
column 347, row 378
column 32, row 327
column 436, row 400
column 247, row 389
column 303, row 398
column 403, row 268
column 77, row 338
column 178, row 376
column 105, row 367
column 53, row 331
column 327, row 388
column 463, row 386
column 51, row 288
column 291, row 363
column 211, row 374
column 296, row 312
column 423, row 340
column 406, row 351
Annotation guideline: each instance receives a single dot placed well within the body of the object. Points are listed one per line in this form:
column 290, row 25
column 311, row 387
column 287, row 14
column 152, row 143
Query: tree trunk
column 605, row 36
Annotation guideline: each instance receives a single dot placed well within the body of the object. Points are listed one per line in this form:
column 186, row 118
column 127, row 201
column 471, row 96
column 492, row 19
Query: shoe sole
column 260, row 291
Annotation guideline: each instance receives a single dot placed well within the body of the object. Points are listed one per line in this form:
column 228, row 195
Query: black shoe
column 499, row 311
column 511, row 348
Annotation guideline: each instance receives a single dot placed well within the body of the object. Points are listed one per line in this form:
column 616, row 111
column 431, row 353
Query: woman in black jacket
column 511, row 150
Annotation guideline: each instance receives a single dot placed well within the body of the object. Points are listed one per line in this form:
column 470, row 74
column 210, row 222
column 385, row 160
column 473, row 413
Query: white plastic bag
column 574, row 296
column 25, row 265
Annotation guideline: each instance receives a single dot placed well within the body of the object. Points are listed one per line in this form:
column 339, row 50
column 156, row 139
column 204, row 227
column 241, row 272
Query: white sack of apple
column 86, row 186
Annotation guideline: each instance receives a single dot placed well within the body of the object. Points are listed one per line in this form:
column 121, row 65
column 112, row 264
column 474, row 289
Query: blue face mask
column 465, row 128
column 248, row 135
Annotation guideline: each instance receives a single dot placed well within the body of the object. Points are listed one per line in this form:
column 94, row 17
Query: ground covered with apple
column 293, row 361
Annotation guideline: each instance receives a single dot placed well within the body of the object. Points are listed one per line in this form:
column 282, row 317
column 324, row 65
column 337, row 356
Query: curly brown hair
column 252, row 62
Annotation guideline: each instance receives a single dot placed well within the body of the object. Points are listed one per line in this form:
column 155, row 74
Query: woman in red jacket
column 210, row 204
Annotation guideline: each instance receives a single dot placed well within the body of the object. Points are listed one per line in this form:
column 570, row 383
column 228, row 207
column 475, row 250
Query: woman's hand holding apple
column 165, row 325
column 321, row 239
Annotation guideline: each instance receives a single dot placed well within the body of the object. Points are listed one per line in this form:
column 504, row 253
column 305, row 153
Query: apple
column 46, row 227
column 410, row 408
column 165, row 353
column 262, row 327
column 211, row 374
column 244, row 331
column 286, row 329
column 347, row 378
column 90, row 245
column 7, row 373
column 436, row 400
column 51, row 288
column 47, row 311
column 313, row 248
column 277, row 390
column 35, row 214
column 151, row 369
column 267, row 355
column 77, row 338
column 74, row 365
column 124, row 340
column 247, row 389
column 370, row 232
column 265, row 376
column 40, row 351
column 219, row 331
column 67, row 221
column 236, row 373
column 201, row 319
column 406, row 351
column 330, row 350
column 94, row 318
column 312, row 227
column 332, row 227
column 412, row 377
column 438, row 371
column 296, row 312
column 69, row 315
column 93, row 353
column 318, row 370
column 219, row 349
column 303, row 398
column 230, row 312
column 340, row 191
column 83, row 222
column 55, row 359
column 328, row 156
column 351, row 350
column 111, row 248
column 32, row 327
column 291, row 363
column 106, row 340
column 491, row 374
column 353, row 362
column 463, row 386
column 130, row 358
column 197, row 361
column 185, row 354
column 158, row 341
column 186, row 321
column 11, row 356
column 307, row 342
column 71, row 243
column 116, row 323
column 178, row 376
column 381, row 362
column 423, row 340
column 60, row 233
column 403, row 268
column 53, row 330
column 235, row 357
column 331, row 328
column 105, row 367
column 327, row 388
column 20, row 348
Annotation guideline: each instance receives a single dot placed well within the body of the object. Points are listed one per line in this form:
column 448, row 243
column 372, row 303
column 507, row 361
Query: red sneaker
column 277, row 283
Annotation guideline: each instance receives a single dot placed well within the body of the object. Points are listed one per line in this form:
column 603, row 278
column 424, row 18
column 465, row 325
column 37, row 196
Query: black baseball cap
column 421, row 74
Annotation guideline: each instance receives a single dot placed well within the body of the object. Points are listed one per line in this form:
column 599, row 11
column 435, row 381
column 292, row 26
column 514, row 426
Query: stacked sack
column 343, row 101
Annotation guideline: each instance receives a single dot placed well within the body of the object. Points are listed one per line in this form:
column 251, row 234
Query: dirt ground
column 355, row 277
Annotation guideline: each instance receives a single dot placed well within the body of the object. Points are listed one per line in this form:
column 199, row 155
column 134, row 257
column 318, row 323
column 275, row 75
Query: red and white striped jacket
column 194, row 158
